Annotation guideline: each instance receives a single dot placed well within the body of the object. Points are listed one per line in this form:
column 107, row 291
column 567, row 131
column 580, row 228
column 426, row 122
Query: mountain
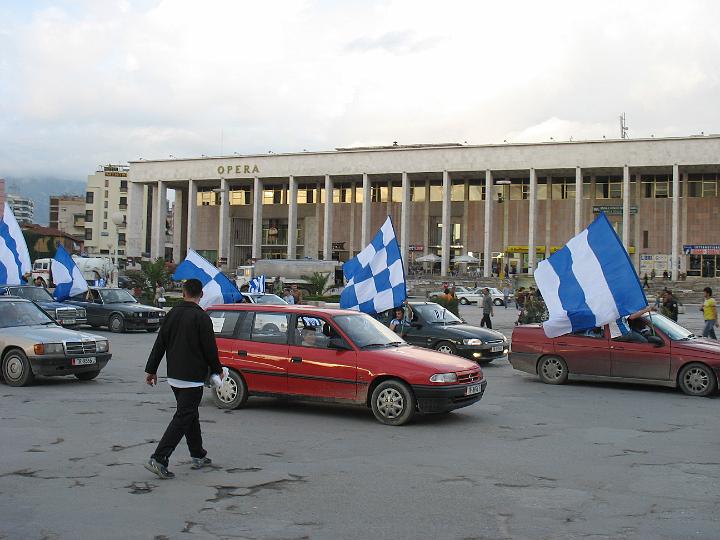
column 41, row 189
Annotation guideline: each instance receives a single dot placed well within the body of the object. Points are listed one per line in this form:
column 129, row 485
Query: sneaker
column 199, row 463
column 159, row 469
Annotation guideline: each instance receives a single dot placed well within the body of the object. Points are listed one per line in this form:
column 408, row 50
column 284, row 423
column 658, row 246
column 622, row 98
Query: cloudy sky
column 96, row 81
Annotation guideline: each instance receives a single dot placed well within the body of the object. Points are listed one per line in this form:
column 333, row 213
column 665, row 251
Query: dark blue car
column 66, row 315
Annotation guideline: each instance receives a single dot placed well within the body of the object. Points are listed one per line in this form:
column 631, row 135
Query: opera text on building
column 510, row 205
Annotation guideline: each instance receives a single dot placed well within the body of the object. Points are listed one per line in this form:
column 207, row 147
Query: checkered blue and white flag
column 375, row 277
column 14, row 256
column 257, row 284
column 217, row 288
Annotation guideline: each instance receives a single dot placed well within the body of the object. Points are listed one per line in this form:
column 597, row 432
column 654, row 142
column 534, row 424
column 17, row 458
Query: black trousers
column 486, row 322
column 185, row 422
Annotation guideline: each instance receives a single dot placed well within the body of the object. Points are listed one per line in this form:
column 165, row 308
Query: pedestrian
column 159, row 295
column 669, row 306
column 487, row 307
column 287, row 296
column 506, row 295
column 187, row 340
column 646, row 285
column 709, row 309
column 297, row 294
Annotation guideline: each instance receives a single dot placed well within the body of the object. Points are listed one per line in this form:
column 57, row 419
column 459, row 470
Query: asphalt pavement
column 530, row 461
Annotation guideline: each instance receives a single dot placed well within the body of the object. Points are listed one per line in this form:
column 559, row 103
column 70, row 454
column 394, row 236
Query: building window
column 396, row 192
column 378, row 193
column 88, row 234
column 417, row 192
column 563, row 188
column 274, row 194
column 457, row 190
column 436, row 194
column 646, row 239
column 306, row 194
column 477, row 190
column 105, row 225
column 359, row 194
column 105, row 214
column 88, row 216
column 107, row 182
column 207, row 197
column 106, row 194
column 656, row 186
column 608, row 187
column 123, row 186
column 89, row 197
column 240, row 197
column 342, row 193
column 541, row 192
column 105, row 204
column 519, row 189
column 123, row 203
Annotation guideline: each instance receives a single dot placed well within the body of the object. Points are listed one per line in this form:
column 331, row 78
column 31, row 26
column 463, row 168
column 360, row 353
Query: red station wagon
column 339, row 356
column 658, row 352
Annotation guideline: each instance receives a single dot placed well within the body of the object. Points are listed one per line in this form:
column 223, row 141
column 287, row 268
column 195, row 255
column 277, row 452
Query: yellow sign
column 541, row 249
column 238, row 169
column 115, row 173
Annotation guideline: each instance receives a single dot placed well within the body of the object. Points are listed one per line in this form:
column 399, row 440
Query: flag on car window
column 14, row 256
column 217, row 288
column 67, row 277
column 257, row 284
column 375, row 277
column 589, row 282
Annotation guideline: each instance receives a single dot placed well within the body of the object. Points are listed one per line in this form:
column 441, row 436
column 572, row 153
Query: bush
column 318, row 283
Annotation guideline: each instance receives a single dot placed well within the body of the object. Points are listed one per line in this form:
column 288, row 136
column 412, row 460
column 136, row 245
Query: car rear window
column 270, row 328
column 225, row 322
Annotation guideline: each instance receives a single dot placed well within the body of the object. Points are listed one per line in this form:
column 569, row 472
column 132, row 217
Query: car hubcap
column 390, row 403
column 14, row 368
column 228, row 391
column 697, row 380
column 445, row 349
column 116, row 324
column 552, row 369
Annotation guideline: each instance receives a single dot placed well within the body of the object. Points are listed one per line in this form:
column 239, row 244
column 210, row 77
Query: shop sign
column 416, row 247
column 238, row 169
column 338, row 246
column 701, row 249
column 612, row 210
column 115, row 173
column 524, row 249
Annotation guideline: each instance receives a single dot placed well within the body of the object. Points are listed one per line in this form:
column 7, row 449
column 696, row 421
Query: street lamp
column 118, row 218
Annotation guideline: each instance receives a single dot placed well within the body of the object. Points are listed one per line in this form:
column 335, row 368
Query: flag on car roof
column 67, row 277
column 14, row 256
column 375, row 277
column 589, row 282
column 257, row 284
column 217, row 288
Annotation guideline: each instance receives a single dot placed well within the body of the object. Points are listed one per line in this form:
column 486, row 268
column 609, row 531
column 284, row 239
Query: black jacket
column 187, row 338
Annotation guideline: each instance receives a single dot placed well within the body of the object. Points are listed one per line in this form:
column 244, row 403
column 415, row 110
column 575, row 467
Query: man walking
column 709, row 309
column 487, row 307
column 506, row 295
column 187, row 339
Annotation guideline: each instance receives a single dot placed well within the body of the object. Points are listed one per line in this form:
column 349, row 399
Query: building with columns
column 510, row 205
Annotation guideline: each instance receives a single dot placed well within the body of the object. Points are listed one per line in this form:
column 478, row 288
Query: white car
column 468, row 295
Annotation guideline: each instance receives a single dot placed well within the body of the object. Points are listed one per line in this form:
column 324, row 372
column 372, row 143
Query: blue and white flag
column 257, row 284
column 67, row 277
column 217, row 288
column 14, row 256
column 589, row 282
column 375, row 277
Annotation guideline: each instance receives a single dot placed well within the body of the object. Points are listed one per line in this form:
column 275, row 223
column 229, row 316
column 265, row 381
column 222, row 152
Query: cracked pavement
column 530, row 461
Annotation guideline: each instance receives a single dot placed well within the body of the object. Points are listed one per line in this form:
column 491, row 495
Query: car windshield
column 272, row 299
column 435, row 313
column 22, row 314
column 668, row 327
column 36, row 294
column 365, row 331
column 117, row 296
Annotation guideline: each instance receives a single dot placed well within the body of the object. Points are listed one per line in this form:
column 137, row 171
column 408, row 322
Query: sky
column 103, row 81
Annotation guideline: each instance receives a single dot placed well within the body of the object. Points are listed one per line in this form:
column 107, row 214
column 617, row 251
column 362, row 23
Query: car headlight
column 49, row 348
column 444, row 377
column 473, row 341
column 102, row 346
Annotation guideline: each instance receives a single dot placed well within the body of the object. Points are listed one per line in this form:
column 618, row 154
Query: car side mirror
column 656, row 341
column 339, row 344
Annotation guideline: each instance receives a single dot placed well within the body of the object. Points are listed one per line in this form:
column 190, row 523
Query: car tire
column 697, row 379
column 87, row 375
column 552, row 370
column 498, row 302
column 16, row 369
column 464, row 301
column 446, row 347
column 233, row 394
column 116, row 324
column 393, row 403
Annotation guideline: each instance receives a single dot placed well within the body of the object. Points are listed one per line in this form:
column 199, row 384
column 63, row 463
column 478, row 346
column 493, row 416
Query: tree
column 318, row 283
column 151, row 272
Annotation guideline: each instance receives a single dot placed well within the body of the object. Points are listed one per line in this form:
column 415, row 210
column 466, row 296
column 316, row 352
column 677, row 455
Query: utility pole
column 623, row 127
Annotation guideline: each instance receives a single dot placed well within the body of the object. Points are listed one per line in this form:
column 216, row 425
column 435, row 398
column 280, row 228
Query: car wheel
column 498, row 302
column 117, row 324
column 16, row 369
column 697, row 380
column 464, row 301
column 553, row 370
column 446, row 347
column 87, row 375
column 233, row 393
column 393, row 403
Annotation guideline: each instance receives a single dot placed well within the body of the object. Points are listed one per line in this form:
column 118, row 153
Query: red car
column 338, row 356
column 657, row 351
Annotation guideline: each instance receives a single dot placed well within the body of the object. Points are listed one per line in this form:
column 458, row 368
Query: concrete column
column 548, row 215
column 177, row 232
column 532, row 222
column 466, row 216
column 445, row 262
column 626, row 207
column 158, row 244
column 405, row 221
column 426, row 219
column 257, row 218
column 684, row 220
column 353, row 209
column 390, row 199
column 192, row 212
column 136, row 211
column 327, row 227
column 674, row 255
column 292, row 219
column 366, row 207
column 578, row 200
column 487, row 244
column 224, row 224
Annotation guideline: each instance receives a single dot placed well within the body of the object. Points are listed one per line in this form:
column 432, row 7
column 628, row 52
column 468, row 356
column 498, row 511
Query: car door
column 94, row 310
column 260, row 349
column 586, row 352
column 316, row 370
column 417, row 332
column 641, row 360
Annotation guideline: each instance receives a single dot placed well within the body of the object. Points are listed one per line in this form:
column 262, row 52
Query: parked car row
column 468, row 295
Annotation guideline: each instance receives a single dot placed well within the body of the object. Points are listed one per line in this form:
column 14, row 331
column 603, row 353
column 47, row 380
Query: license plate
column 498, row 348
column 69, row 321
column 473, row 389
column 83, row 361
column 153, row 321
